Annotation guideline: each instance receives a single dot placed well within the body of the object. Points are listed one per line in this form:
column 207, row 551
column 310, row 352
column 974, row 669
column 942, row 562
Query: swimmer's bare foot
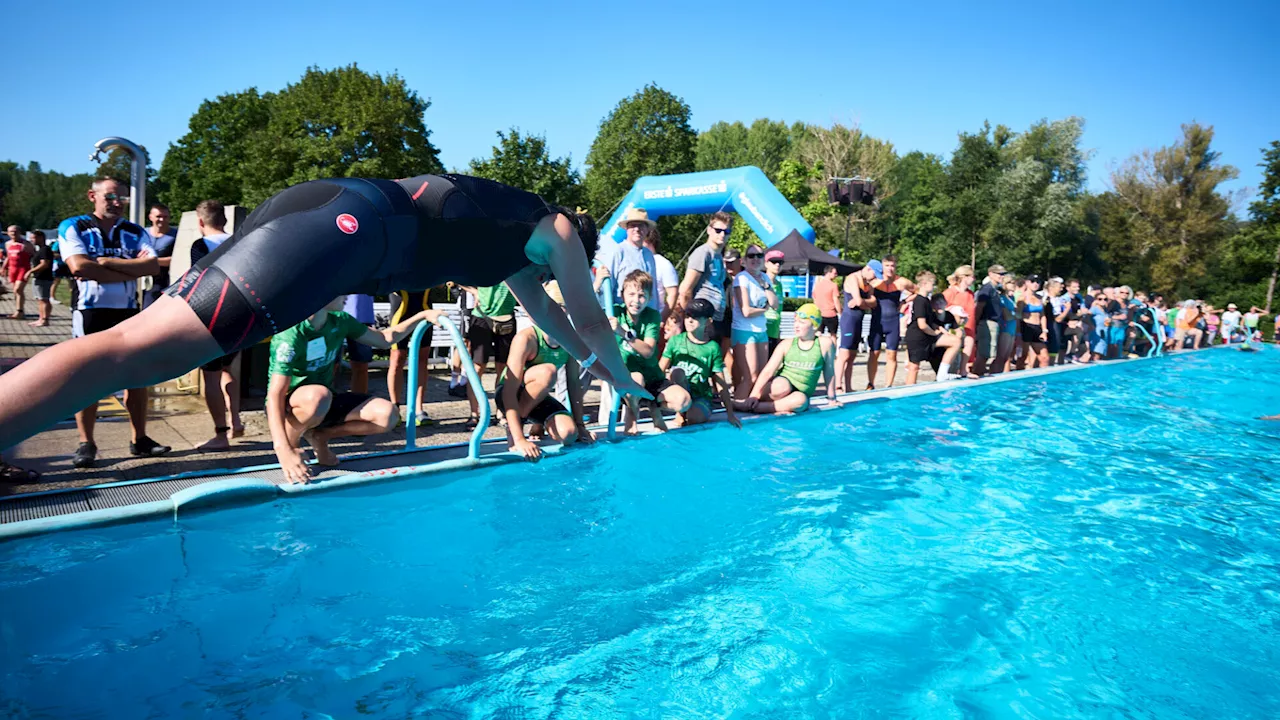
column 320, row 448
column 237, row 430
column 535, row 432
column 39, row 323
column 215, row 443
column 678, row 421
column 659, row 422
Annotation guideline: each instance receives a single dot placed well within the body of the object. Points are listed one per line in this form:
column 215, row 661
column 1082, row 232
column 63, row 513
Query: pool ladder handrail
column 612, row 397
column 415, row 350
column 1156, row 347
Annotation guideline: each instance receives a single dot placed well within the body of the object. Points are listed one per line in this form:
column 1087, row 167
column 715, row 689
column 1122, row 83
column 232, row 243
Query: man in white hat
column 1230, row 322
column 621, row 259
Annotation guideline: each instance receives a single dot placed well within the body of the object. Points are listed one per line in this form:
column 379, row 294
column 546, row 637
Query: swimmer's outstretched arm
column 555, row 243
column 160, row 343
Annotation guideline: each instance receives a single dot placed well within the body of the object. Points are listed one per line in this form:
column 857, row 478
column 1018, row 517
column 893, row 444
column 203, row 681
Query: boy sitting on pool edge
column 638, row 327
column 791, row 375
column 694, row 364
column 300, row 398
column 524, row 390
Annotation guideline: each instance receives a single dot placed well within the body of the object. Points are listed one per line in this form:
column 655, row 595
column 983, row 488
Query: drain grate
column 43, row 506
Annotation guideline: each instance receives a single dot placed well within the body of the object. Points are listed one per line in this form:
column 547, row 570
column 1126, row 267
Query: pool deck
column 122, row 488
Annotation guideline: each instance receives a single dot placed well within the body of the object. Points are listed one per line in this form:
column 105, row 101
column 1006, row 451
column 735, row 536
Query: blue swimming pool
column 1103, row 543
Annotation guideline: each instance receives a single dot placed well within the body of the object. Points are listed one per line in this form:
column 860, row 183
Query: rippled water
column 1095, row 544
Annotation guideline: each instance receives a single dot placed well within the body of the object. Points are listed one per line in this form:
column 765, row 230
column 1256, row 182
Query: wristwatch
column 630, row 335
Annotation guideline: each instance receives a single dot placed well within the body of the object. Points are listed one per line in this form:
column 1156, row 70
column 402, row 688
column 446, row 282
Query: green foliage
column 766, row 145
column 340, row 123
column 526, row 163
column 33, row 198
column 209, row 161
column 646, row 134
column 244, row 147
column 1177, row 216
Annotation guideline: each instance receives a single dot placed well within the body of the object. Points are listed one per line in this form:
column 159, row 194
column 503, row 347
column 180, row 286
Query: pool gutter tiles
column 127, row 501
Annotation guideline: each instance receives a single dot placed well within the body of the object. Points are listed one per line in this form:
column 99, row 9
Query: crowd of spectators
column 712, row 338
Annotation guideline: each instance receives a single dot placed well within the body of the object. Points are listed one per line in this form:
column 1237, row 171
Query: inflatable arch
column 744, row 190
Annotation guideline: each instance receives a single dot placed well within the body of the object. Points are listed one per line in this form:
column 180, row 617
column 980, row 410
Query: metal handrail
column 1155, row 346
column 613, row 398
column 411, row 420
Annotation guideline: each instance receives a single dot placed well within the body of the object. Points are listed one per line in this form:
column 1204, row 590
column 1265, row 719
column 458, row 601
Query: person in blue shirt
column 106, row 255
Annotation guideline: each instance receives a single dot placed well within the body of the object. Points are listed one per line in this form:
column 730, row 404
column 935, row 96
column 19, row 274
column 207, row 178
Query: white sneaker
column 55, row 301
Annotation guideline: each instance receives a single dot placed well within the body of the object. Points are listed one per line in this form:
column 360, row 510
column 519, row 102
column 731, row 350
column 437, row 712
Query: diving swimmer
column 312, row 242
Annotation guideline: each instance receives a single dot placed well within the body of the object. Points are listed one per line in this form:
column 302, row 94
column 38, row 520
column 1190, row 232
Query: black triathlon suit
column 312, row 242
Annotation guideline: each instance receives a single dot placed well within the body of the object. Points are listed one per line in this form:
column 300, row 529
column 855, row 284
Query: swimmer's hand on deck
column 296, row 470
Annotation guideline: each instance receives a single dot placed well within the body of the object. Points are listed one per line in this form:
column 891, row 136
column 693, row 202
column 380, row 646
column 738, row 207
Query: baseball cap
column 732, row 255
column 1036, row 279
column 876, row 266
column 810, row 312
column 773, row 255
column 700, row 308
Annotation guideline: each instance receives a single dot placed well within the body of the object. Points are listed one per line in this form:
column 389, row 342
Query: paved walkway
column 181, row 421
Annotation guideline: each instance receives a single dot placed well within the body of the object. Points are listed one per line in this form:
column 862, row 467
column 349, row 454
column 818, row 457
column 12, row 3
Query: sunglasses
column 721, row 231
column 112, row 197
column 755, row 256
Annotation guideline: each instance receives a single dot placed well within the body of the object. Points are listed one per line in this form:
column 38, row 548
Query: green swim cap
column 810, row 312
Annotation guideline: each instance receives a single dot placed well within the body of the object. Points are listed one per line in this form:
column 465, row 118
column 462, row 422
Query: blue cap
column 877, row 267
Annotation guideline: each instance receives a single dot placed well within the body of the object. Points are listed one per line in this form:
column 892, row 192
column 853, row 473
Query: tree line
column 1014, row 196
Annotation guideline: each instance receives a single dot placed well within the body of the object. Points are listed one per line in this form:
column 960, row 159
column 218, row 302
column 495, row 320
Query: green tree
column 1265, row 216
column 1179, row 217
column 916, row 216
column 970, row 184
column 845, row 151
column 766, row 144
column 34, row 198
column 209, row 161
column 340, row 123
column 524, row 161
column 646, row 134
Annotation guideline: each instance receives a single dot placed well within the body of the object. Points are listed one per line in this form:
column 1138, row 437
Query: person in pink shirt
column 826, row 295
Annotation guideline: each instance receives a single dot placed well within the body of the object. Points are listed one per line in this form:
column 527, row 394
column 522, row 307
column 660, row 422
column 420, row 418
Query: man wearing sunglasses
column 106, row 255
column 705, row 276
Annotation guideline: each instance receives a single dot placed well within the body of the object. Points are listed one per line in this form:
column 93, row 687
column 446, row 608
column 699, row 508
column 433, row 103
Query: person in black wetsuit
column 315, row 241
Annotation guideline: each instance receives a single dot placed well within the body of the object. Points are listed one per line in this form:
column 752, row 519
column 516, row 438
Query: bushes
column 791, row 304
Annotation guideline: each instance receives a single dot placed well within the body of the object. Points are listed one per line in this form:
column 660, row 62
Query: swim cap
column 877, row 267
column 810, row 312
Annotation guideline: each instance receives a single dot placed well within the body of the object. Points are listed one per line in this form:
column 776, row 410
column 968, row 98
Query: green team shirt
column 494, row 301
column 307, row 355
column 698, row 360
column 645, row 326
column 773, row 316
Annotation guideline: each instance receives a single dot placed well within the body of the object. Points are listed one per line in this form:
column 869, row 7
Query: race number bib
column 316, row 350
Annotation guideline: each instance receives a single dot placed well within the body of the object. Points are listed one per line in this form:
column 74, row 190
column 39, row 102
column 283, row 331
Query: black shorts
column 494, row 336
column 359, row 352
column 721, row 329
column 1030, row 332
column 220, row 364
column 341, row 406
column 541, row 412
column 656, row 385
column 920, row 347
column 830, row 326
column 310, row 243
column 95, row 320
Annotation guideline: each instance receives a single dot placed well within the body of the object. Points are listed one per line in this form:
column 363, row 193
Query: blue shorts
column 882, row 335
column 357, row 352
column 743, row 337
column 851, row 329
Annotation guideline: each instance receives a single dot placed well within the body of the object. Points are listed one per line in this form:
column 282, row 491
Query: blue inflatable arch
column 744, row 190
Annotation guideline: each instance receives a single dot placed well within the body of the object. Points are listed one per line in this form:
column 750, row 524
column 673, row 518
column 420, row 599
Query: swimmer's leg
column 158, row 344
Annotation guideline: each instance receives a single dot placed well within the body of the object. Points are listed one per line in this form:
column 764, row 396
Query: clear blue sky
column 918, row 73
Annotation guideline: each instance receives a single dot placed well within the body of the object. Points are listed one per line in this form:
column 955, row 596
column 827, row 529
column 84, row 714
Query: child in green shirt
column 524, row 391
column 694, row 364
column 300, row 398
column 637, row 327
column 791, row 375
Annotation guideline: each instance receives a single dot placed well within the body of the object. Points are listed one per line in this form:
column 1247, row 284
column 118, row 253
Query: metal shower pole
column 137, row 174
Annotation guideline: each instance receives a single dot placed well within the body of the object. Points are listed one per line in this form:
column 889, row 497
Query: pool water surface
column 1102, row 543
